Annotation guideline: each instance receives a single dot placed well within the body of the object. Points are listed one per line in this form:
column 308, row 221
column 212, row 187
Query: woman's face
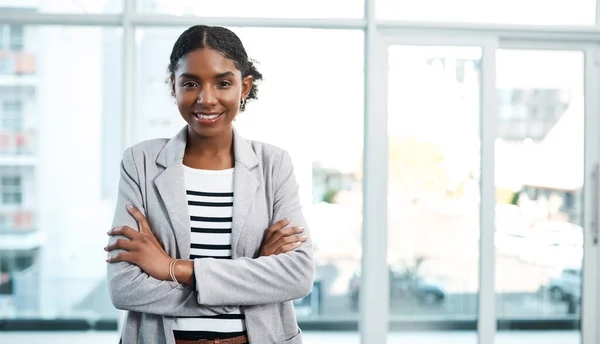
column 208, row 89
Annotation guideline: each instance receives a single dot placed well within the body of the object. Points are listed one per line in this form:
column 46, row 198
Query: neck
column 217, row 145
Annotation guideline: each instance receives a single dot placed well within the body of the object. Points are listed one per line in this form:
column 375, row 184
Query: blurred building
column 49, row 211
column 20, row 235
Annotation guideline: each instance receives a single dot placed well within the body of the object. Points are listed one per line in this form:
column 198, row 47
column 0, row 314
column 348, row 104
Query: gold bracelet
column 172, row 270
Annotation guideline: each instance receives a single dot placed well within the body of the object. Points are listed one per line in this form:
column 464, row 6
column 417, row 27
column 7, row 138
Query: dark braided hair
column 224, row 41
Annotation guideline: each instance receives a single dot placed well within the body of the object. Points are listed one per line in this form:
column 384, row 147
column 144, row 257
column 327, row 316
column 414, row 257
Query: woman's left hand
column 140, row 248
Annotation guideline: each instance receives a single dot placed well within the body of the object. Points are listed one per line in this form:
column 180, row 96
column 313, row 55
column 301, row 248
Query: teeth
column 210, row 117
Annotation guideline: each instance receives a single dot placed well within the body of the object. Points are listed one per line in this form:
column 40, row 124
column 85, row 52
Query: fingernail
column 298, row 243
column 129, row 206
column 105, row 248
column 108, row 232
column 303, row 237
column 301, row 228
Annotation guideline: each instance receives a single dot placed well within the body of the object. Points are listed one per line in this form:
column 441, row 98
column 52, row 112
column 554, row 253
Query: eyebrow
column 195, row 77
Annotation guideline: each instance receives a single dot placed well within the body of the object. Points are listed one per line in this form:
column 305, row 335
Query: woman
column 215, row 258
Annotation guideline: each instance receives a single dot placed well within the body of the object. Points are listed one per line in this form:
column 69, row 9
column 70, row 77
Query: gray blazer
column 265, row 191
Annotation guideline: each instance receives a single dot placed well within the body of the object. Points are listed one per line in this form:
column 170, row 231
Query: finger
column 285, row 232
column 121, row 244
column 273, row 228
column 290, row 239
column 124, row 230
column 276, row 236
column 278, row 225
column 288, row 247
column 140, row 218
column 120, row 257
column 144, row 226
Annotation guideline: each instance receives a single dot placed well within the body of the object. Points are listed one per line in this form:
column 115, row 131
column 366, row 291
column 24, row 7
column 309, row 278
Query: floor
column 521, row 337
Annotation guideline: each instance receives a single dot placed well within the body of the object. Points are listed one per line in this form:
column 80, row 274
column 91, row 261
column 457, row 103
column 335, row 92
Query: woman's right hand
column 281, row 239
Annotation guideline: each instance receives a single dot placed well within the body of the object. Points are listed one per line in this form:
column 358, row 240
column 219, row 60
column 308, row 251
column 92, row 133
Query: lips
column 208, row 117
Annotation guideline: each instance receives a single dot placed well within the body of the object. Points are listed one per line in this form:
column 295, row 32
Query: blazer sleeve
column 263, row 280
column 130, row 288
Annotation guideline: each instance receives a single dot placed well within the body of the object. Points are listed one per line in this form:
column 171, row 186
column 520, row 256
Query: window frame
column 375, row 150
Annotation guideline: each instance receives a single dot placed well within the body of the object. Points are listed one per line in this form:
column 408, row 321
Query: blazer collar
column 174, row 150
column 170, row 184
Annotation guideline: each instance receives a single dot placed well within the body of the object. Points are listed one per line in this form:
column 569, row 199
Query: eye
column 189, row 84
column 224, row 84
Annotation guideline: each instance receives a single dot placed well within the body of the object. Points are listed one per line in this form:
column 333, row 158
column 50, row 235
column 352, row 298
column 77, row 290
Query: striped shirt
column 210, row 203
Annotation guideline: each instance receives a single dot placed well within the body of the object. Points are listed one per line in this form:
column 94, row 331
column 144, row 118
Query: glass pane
column 526, row 12
column 63, row 6
column 12, row 116
column 433, row 182
column 539, row 178
column 256, row 8
column 59, row 152
column 300, row 108
column 16, row 37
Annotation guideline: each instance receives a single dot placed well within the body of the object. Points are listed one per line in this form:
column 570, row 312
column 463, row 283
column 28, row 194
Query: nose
column 207, row 97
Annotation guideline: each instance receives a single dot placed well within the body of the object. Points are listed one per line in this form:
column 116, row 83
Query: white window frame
column 374, row 310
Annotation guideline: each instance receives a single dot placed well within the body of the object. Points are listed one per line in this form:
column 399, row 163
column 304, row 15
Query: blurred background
column 471, row 127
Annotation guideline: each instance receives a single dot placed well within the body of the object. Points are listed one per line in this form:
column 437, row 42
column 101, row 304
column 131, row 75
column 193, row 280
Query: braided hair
column 222, row 40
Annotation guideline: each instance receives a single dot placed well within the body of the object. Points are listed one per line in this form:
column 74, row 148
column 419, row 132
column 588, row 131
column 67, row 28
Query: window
column 11, row 37
column 72, row 6
column 16, row 38
column 433, row 184
column 12, row 116
column 11, row 190
column 6, row 65
column 67, row 174
column 5, row 283
column 536, row 110
column 18, row 278
column 526, row 12
column 256, row 8
column 539, row 257
column 311, row 103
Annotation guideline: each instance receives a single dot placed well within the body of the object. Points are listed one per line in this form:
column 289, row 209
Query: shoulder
column 277, row 167
column 149, row 147
column 145, row 150
column 270, row 156
column 276, row 163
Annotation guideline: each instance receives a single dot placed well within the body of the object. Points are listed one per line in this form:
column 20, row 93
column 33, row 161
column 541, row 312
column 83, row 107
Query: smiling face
column 208, row 89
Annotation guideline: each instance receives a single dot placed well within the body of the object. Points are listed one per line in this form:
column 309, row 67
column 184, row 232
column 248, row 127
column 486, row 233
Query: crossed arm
column 138, row 267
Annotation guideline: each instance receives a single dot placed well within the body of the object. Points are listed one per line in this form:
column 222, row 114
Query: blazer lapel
column 245, row 183
column 171, row 187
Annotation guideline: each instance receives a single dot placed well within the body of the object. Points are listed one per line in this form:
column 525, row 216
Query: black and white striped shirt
column 210, row 203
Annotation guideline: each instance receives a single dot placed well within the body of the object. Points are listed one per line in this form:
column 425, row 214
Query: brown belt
column 234, row 340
